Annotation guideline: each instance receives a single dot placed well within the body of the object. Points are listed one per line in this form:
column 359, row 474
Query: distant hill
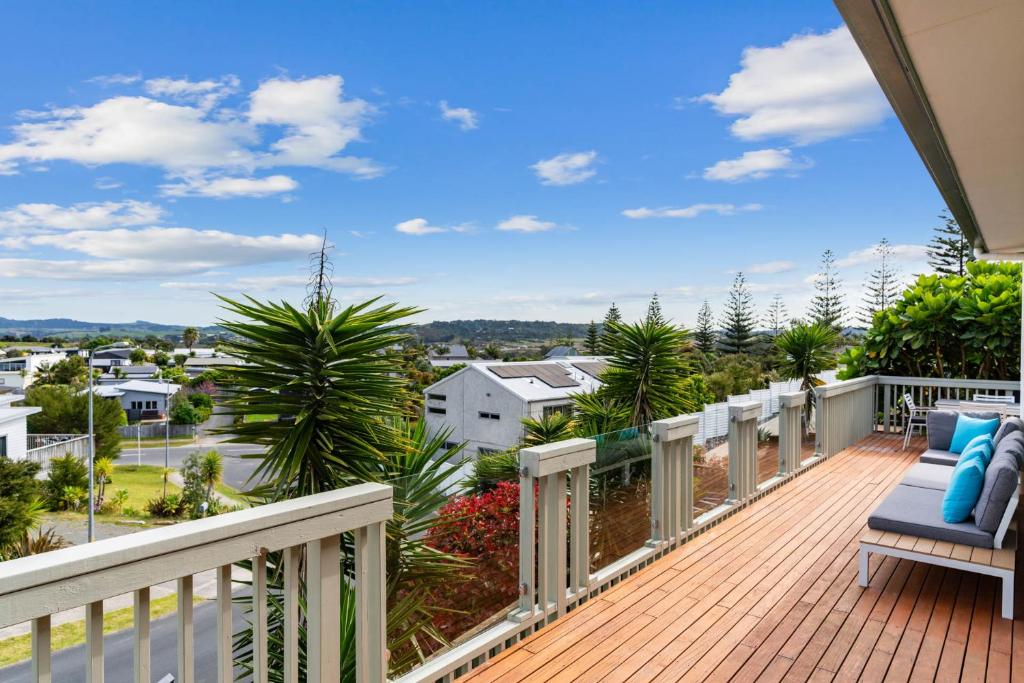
column 67, row 327
column 482, row 331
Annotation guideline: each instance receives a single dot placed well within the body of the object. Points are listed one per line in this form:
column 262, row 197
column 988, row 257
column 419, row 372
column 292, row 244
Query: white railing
column 554, row 558
column 34, row 588
column 44, row 447
column 925, row 391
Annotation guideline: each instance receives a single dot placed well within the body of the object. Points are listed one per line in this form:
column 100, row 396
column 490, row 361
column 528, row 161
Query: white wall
column 469, row 392
column 15, row 430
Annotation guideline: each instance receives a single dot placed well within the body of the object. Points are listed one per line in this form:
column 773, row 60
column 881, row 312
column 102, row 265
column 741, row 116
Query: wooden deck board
column 771, row 594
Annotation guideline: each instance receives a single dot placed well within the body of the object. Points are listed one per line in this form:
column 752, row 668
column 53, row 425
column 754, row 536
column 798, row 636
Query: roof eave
column 877, row 34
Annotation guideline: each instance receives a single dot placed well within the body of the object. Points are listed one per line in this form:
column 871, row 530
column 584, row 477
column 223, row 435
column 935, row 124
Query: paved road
column 69, row 664
column 236, row 468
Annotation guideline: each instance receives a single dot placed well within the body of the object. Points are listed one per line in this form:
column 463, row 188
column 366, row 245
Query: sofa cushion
column 1009, row 426
column 942, row 424
column 937, row 457
column 1013, row 444
column 1000, row 484
column 928, row 476
column 963, row 490
column 969, row 427
column 918, row 512
column 979, row 447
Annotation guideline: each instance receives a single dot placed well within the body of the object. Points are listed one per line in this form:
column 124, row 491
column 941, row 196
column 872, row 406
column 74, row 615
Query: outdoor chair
column 916, row 417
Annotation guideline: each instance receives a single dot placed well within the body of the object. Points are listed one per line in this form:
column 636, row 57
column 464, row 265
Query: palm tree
column 807, row 351
column 211, row 471
column 647, row 370
column 189, row 337
column 342, row 403
column 103, row 469
column 548, row 429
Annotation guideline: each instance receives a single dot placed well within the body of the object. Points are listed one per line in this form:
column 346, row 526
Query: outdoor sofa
column 909, row 522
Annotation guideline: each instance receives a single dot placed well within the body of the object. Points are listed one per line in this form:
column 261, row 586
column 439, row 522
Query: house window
column 489, row 416
column 448, row 445
column 437, row 411
column 136, row 405
column 3, row 446
column 437, row 397
column 564, row 409
column 150, row 405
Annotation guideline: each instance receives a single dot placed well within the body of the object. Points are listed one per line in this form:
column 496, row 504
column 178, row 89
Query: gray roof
column 562, row 352
column 454, row 351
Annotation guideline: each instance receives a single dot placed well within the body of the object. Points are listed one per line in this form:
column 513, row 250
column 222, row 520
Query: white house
column 483, row 403
column 141, row 400
column 19, row 373
column 14, row 427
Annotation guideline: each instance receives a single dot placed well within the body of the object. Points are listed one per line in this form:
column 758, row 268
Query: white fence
column 713, row 422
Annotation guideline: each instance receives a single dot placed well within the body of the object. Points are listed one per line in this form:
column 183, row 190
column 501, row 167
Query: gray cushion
column 918, row 512
column 942, row 424
column 1009, row 426
column 928, row 476
column 935, row 457
column 1014, row 445
column 1000, row 484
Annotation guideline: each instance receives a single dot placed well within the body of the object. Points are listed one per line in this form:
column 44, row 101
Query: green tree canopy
column 19, row 493
column 738, row 320
column 947, row 326
column 828, row 305
column 704, row 337
column 66, row 411
column 949, row 252
column 592, row 341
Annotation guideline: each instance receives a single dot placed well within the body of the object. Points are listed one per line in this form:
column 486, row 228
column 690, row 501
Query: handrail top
column 673, row 428
column 25, row 572
column 951, row 382
column 793, row 399
column 748, row 410
column 558, row 456
column 843, row 386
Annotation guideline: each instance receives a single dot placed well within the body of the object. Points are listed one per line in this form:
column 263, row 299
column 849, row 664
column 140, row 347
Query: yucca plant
column 647, row 370
column 548, row 429
column 807, row 351
column 341, row 400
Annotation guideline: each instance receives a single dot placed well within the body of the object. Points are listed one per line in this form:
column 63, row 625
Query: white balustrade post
column 820, row 426
column 791, row 408
column 549, row 464
column 672, row 467
column 371, row 604
column 742, row 450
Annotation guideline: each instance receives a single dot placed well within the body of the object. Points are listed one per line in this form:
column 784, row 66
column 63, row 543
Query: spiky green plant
column 548, row 429
column 808, row 350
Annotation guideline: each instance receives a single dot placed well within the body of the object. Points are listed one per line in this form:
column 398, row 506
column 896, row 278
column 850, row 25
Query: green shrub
column 66, row 472
column 167, row 507
column 19, row 493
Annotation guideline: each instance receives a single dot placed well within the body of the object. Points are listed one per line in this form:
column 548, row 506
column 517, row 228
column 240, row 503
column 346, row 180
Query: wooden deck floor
column 771, row 594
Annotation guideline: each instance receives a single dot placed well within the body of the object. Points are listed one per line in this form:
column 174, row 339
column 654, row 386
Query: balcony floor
column 771, row 594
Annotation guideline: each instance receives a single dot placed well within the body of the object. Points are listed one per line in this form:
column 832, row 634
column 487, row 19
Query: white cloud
column 812, row 87
column 105, row 183
column 205, row 93
column 226, row 187
column 466, row 118
column 526, row 223
column 690, row 211
column 319, row 123
column 755, row 165
column 115, row 79
column 28, row 218
column 419, row 226
column 184, row 128
column 566, row 169
column 265, row 282
column 771, row 267
column 911, row 253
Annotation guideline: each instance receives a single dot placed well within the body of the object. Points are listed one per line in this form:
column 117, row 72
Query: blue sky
column 493, row 160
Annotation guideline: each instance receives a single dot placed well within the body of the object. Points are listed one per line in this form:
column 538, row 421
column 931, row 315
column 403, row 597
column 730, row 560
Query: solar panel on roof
column 594, row 368
column 552, row 375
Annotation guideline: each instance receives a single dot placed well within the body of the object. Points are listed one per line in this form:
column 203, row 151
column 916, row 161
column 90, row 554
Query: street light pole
column 92, row 457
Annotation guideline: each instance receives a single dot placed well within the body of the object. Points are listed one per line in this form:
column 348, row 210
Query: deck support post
column 548, row 467
column 791, row 408
column 672, row 479
column 743, row 450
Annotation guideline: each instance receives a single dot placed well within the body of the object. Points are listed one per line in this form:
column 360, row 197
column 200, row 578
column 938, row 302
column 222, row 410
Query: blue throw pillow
column 969, row 427
column 964, row 491
column 979, row 446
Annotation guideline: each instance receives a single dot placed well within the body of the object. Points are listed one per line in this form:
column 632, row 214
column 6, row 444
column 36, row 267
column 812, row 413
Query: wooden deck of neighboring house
column 771, row 594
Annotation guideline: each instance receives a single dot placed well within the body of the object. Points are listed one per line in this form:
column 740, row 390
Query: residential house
column 453, row 354
column 121, row 373
column 19, row 373
column 14, row 427
column 112, row 357
column 197, row 365
column 141, row 399
column 483, row 404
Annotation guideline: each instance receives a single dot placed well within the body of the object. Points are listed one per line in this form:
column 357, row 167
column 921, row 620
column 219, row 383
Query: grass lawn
column 260, row 418
column 19, row 648
column 143, row 483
